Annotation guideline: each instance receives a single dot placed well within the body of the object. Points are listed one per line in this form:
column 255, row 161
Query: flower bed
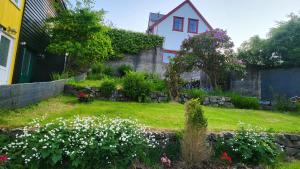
column 82, row 143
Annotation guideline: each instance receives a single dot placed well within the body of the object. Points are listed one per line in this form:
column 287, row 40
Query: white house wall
column 173, row 39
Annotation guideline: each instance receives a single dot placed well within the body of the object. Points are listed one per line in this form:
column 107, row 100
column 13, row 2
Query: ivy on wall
column 128, row 42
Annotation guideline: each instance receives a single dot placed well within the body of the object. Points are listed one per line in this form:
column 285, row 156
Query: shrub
column 250, row 147
column 82, row 143
column 239, row 101
column 135, row 87
column 156, row 83
column 124, row 69
column 100, row 71
column 59, row 76
column 127, row 42
column 282, row 103
column 107, row 88
column 243, row 102
column 194, row 148
column 196, row 93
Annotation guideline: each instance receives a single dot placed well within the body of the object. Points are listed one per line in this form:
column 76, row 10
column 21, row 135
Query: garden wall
column 24, row 94
column 147, row 61
column 21, row 95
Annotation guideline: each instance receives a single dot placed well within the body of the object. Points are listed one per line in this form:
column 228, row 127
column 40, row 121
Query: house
column 182, row 22
column 11, row 12
column 33, row 62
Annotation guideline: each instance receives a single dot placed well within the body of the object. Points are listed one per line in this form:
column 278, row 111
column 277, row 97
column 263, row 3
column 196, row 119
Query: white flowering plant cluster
column 250, row 146
column 81, row 143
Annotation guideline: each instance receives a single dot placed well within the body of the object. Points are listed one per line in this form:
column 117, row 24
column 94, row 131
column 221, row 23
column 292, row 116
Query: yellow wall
column 11, row 17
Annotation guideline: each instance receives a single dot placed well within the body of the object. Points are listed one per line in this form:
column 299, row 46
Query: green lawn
column 161, row 116
column 290, row 165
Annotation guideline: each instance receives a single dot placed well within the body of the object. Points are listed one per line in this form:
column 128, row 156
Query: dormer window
column 193, row 26
column 178, row 23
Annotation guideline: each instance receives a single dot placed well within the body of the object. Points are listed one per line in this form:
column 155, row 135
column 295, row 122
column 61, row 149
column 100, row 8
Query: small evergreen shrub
column 80, row 143
column 135, row 87
column 107, row 88
column 124, row 69
column 250, row 147
column 194, row 148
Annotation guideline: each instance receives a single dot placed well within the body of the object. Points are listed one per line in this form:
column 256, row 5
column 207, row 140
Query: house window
column 4, row 50
column 178, row 24
column 193, row 26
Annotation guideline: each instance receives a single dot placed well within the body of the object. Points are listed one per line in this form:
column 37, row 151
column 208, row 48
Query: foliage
column 211, row 52
column 244, row 102
column 282, row 103
column 249, row 146
column 127, row 42
column 107, row 88
column 196, row 93
column 124, row 69
column 173, row 79
column 59, row 76
column 79, row 33
column 194, row 149
column 238, row 100
column 100, row 71
column 82, row 143
column 280, row 49
column 135, row 87
column 155, row 82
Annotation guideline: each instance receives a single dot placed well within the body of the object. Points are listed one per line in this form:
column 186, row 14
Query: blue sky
column 241, row 18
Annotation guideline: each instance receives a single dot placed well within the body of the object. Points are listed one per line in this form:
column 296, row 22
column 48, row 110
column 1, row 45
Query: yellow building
column 11, row 12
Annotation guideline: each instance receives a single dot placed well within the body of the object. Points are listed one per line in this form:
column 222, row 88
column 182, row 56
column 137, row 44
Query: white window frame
column 17, row 4
column 10, row 53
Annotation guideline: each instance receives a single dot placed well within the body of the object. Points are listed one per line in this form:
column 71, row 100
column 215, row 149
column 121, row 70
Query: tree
column 280, row 49
column 211, row 52
column 79, row 32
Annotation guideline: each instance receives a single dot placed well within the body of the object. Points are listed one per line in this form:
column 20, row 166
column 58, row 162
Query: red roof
column 178, row 7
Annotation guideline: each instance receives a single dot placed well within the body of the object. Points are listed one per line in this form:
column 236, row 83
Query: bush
column 250, row 147
column 243, row 102
column 127, row 42
column 82, row 143
column 282, row 103
column 107, row 88
column 135, row 87
column 239, row 101
column 100, row 71
column 124, row 69
column 196, row 93
column 156, row 83
column 194, row 148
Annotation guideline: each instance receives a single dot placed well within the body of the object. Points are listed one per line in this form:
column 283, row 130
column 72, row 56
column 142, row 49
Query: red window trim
column 179, row 30
column 190, row 19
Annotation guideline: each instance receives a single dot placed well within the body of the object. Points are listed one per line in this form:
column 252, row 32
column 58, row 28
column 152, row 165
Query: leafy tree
column 79, row 32
column 280, row 49
column 211, row 52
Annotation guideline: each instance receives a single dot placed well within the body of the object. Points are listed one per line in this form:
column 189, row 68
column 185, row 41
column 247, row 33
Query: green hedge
column 127, row 42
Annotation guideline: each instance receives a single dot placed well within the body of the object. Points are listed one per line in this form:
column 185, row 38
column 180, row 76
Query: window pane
column 193, row 25
column 4, row 50
column 178, row 24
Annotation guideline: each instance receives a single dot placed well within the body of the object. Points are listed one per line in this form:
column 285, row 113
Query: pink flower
column 3, row 158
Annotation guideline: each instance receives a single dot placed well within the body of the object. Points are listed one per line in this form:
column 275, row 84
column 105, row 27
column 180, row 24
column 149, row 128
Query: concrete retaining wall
column 21, row 95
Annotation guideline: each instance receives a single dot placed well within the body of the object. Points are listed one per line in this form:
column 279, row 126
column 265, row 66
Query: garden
column 120, row 118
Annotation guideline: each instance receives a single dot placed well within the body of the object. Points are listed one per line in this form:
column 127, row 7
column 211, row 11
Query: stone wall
column 116, row 96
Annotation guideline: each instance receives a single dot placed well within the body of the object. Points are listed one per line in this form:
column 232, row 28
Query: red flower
column 226, row 157
column 81, row 94
column 3, row 158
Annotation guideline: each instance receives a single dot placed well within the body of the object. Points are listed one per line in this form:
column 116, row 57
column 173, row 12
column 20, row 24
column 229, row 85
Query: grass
column 161, row 116
column 290, row 165
column 93, row 83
